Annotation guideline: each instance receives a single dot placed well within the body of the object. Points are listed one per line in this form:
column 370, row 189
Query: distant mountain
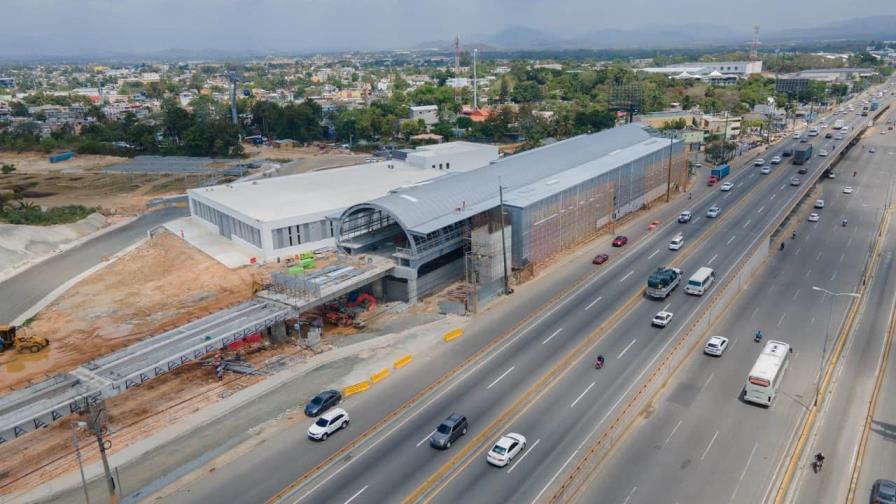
column 522, row 37
column 662, row 36
column 867, row 28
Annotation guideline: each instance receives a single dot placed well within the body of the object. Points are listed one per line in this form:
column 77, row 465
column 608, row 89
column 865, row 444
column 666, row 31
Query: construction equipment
column 20, row 338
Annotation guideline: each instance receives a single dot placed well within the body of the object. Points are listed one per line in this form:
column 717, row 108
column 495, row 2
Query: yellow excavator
column 21, row 339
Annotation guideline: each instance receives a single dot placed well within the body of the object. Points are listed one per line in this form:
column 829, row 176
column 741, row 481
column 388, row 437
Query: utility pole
column 503, row 238
column 96, row 415
column 827, row 332
column 669, row 170
column 74, row 426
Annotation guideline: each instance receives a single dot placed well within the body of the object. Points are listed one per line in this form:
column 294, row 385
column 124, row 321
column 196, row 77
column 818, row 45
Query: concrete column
column 412, row 290
column 278, row 333
column 376, row 289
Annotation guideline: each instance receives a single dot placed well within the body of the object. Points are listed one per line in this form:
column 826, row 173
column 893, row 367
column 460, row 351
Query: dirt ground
column 158, row 286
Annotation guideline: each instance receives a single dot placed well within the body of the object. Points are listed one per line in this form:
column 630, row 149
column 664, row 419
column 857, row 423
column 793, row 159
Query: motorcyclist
column 793, row 236
column 819, row 460
column 600, row 362
column 759, row 335
column 844, row 222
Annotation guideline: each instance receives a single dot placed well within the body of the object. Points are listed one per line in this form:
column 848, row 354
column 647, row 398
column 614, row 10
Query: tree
column 412, row 127
column 526, row 92
column 8, row 168
column 719, row 151
column 676, row 124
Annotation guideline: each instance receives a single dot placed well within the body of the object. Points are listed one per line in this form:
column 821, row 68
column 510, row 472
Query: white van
column 700, row 281
column 676, row 242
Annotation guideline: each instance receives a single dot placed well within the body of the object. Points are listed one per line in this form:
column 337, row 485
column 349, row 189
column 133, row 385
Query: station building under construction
column 553, row 198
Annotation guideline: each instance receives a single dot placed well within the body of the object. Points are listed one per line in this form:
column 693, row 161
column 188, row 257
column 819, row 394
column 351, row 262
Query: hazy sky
column 66, row 27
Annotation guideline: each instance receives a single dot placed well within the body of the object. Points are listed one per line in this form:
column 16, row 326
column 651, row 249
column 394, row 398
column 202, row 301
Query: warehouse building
column 282, row 216
column 554, row 197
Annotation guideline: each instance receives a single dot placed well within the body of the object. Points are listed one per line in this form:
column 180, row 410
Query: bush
column 33, row 215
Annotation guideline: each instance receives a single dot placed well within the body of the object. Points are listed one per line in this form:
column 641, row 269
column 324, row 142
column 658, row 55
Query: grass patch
column 34, row 215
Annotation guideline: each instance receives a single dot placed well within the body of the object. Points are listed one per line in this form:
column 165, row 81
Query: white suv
column 716, row 345
column 328, row 423
column 662, row 319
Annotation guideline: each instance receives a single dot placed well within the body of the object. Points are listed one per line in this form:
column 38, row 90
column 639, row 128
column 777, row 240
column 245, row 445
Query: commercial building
column 283, row 216
column 830, row 74
column 718, row 70
column 554, row 197
column 429, row 114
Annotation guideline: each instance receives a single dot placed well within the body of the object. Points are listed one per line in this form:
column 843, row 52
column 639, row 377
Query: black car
column 448, row 431
column 787, row 153
column 322, row 402
column 883, row 492
column 828, row 135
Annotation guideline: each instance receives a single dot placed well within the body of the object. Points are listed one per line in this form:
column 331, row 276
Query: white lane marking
column 626, row 276
column 773, row 196
column 754, row 312
column 713, row 259
column 833, row 276
column 520, row 460
column 666, row 308
column 552, row 335
column 502, row 376
column 626, row 348
column 795, row 294
column 782, row 318
column 357, row 494
column 760, row 209
column 711, row 441
column 707, row 381
column 695, row 219
column 812, row 322
column 593, row 302
column 741, row 183
column 842, row 256
column 743, row 473
column 807, row 272
column 798, row 250
column 655, row 252
column 726, row 195
column 426, row 438
column 555, row 476
column 783, row 186
column 629, row 498
column 730, row 240
column 818, row 256
column 747, row 223
column 582, row 395
column 848, row 243
column 670, row 435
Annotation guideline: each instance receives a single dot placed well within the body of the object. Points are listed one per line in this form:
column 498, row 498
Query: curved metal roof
column 431, row 205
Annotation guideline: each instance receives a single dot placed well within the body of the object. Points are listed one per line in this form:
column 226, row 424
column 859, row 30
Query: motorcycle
column 758, row 337
column 599, row 363
column 843, row 223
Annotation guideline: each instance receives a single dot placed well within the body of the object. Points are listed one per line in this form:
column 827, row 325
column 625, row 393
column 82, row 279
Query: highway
column 538, row 380
column 26, row 289
column 704, row 444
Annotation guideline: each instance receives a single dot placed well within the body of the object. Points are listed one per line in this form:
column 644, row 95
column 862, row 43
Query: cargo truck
column 662, row 282
column 838, row 124
column 62, row 156
column 802, row 154
column 875, row 105
column 718, row 173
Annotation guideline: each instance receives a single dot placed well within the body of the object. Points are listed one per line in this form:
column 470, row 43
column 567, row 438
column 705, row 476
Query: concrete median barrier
column 357, row 388
column 380, row 375
column 453, row 334
column 403, row 361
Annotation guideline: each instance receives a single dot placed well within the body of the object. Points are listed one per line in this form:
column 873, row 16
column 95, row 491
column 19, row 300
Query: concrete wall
column 441, row 277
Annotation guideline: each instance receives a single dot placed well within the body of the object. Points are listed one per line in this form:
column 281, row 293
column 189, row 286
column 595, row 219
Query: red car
column 600, row 259
column 712, row 180
column 620, row 241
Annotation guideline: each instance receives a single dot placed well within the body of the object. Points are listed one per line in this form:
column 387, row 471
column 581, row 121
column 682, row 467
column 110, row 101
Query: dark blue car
column 322, row 402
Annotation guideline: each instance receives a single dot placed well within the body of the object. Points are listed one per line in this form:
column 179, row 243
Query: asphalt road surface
column 26, row 289
column 703, row 443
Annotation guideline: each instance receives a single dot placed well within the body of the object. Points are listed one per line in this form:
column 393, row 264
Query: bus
column 700, row 281
column 767, row 374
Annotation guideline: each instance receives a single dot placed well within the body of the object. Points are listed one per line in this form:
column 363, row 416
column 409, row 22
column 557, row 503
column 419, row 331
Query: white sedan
column 505, row 449
column 759, row 162
column 847, row 190
column 727, row 186
column 662, row 319
column 823, row 153
column 776, row 159
column 813, row 217
column 716, row 345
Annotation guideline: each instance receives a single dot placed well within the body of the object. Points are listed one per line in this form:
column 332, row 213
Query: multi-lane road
column 538, row 378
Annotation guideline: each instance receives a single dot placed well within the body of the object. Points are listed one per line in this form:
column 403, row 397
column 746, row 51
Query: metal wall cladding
column 563, row 220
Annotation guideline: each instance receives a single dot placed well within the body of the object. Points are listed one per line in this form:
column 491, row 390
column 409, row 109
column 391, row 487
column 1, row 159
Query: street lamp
column 827, row 334
column 78, row 426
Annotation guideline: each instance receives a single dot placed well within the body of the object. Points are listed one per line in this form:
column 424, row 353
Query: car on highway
column 328, row 423
column 847, row 190
column 620, row 241
column 765, row 170
column 684, row 216
column 794, row 181
column 776, row 159
column 838, row 137
column 727, row 186
column 823, row 153
column 832, row 174
column 829, row 135
column 796, row 136
column 787, row 153
column 677, row 242
column 661, row 319
column 322, row 402
column 804, row 139
column 509, row 446
column 759, row 162
column 803, row 170
column 448, row 431
column 883, row 132
column 883, row 492
column 713, row 212
column 716, row 346
column 872, row 150
column 600, row 259
column 813, row 217
column 819, row 203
